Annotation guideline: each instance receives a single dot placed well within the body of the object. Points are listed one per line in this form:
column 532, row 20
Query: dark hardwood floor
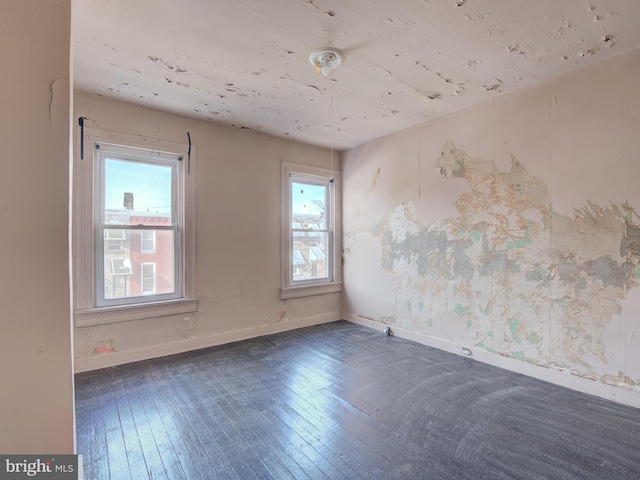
column 340, row 401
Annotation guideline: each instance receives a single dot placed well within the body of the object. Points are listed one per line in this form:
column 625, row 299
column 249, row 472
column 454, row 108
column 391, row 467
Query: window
column 134, row 230
column 311, row 231
column 148, row 278
column 114, row 240
column 138, row 193
column 148, row 241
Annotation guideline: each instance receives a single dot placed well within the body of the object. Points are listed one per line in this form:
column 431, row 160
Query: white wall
column 532, row 265
column 36, row 399
column 237, row 240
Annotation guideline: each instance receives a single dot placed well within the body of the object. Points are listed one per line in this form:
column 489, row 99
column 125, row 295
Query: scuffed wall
column 36, row 377
column 238, row 231
column 511, row 228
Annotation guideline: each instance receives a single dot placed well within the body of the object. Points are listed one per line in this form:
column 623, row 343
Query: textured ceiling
column 245, row 62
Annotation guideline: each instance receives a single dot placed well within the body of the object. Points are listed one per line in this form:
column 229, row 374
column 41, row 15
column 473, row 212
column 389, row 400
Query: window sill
column 308, row 290
column 125, row 313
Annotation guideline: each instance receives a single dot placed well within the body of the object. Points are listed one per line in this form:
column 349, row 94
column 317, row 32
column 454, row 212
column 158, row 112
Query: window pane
column 308, row 208
column 148, row 278
column 114, row 240
column 131, row 272
column 148, row 241
column 309, row 260
column 137, row 193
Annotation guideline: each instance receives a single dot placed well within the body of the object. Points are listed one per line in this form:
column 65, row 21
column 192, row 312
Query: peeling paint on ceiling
column 245, row 62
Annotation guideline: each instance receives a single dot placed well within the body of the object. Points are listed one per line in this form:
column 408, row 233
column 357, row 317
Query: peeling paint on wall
column 105, row 346
column 523, row 280
column 373, row 185
column 463, row 51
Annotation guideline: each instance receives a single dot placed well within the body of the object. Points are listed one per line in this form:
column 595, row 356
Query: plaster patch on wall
column 391, row 320
column 348, row 239
column 105, row 346
column 528, row 282
column 281, row 315
column 59, row 93
column 620, row 380
column 376, row 177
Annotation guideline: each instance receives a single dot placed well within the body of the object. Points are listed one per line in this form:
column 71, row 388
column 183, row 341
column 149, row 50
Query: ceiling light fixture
column 326, row 59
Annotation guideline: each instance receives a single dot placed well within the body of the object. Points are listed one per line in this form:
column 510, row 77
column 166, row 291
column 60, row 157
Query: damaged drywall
column 105, row 346
column 518, row 233
column 247, row 60
column 508, row 259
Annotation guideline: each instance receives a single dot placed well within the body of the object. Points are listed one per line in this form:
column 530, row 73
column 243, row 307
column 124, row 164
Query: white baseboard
column 563, row 378
column 121, row 357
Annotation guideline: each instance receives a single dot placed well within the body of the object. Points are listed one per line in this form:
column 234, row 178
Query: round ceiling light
column 326, row 59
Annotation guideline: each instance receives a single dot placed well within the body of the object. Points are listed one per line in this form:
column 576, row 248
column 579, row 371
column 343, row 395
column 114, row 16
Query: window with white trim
column 148, row 241
column 134, row 229
column 311, row 231
column 138, row 193
column 148, row 272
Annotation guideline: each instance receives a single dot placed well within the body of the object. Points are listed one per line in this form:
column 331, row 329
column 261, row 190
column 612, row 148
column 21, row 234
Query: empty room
column 321, row 239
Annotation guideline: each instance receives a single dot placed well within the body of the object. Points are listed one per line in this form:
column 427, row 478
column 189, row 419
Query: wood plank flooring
column 340, row 401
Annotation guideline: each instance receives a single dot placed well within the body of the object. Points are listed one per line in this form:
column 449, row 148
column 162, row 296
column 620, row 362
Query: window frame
column 103, row 152
column 297, row 173
column 88, row 309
